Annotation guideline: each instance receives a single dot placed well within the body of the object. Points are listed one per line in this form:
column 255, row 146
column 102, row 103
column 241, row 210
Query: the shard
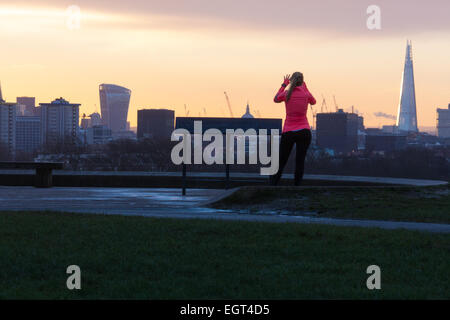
column 407, row 116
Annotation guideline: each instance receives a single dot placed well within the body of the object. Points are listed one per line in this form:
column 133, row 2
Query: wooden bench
column 43, row 177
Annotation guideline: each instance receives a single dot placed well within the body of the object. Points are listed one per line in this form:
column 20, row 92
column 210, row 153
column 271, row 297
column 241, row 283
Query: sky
column 174, row 52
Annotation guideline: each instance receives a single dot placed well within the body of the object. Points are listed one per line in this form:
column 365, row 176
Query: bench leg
column 43, row 178
column 183, row 192
column 227, row 176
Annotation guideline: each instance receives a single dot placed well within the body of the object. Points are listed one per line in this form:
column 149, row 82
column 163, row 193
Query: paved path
column 167, row 203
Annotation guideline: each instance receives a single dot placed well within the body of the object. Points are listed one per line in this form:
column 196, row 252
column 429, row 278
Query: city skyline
column 172, row 55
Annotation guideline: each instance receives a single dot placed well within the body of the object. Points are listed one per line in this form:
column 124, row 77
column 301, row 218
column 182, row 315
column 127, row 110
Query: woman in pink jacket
column 296, row 129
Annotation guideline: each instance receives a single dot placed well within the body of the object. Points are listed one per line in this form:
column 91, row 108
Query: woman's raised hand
column 286, row 79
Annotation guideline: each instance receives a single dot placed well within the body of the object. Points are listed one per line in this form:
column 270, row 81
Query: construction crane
column 186, row 111
column 229, row 104
column 204, row 112
column 258, row 114
column 335, row 104
column 324, row 104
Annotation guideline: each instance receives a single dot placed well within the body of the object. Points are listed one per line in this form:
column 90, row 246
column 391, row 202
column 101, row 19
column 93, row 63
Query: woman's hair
column 295, row 81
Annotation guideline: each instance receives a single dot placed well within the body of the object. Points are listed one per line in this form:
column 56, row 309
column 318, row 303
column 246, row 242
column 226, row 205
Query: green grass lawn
column 425, row 204
column 147, row 258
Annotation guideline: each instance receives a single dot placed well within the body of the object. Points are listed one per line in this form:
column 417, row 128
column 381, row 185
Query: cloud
column 402, row 17
column 385, row 115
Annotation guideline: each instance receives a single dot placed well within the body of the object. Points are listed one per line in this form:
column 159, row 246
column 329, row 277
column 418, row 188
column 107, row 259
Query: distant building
column 124, row 134
column 385, row 142
column 155, row 123
column 392, row 129
column 7, row 127
column 361, row 133
column 373, row 131
column 59, row 121
column 85, row 122
column 28, row 133
column 338, row 131
column 96, row 119
column 27, row 106
column 360, row 123
column 114, row 103
column 443, row 125
column 98, row 135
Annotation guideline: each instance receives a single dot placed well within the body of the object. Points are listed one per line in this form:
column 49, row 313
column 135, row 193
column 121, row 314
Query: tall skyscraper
column 114, row 103
column 59, row 121
column 407, row 116
column 155, row 123
column 7, row 128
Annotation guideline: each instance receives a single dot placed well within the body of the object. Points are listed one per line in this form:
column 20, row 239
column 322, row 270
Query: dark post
column 227, row 176
column 184, row 180
column 43, row 178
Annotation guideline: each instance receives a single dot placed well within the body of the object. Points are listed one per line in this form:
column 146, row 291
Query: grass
column 425, row 204
column 148, row 258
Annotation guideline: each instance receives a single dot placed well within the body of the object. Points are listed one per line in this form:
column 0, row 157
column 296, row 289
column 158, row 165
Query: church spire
column 247, row 113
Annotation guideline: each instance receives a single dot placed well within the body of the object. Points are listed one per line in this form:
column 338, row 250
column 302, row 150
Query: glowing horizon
column 169, row 60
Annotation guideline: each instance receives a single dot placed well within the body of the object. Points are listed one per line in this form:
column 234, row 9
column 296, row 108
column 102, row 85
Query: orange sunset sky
column 171, row 53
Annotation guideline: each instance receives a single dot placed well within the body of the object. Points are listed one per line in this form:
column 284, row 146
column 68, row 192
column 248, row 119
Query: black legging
column 302, row 140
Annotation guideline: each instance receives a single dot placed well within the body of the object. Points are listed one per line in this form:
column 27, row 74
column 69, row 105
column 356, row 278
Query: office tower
column 7, row 128
column 338, row 131
column 155, row 123
column 443, row 125
column 59, row 121
column 114, row 103
column 407, row 116
column 28, row 105
column 28, row 133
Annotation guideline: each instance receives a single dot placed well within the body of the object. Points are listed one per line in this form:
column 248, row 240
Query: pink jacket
column 296, row 108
